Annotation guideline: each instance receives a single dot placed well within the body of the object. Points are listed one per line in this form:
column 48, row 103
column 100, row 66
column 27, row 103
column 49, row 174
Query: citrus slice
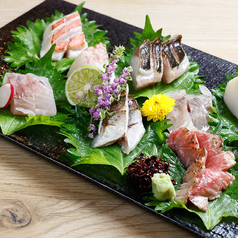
column 79, row 86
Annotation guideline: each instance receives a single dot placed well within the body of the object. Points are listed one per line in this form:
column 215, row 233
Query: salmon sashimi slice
column 67, row 29
column 33, row 95
column 76, row 45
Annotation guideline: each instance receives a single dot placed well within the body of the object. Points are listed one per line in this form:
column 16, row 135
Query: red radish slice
column 6, row 95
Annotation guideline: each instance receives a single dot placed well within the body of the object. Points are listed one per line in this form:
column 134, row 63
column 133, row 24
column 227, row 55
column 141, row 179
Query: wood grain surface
column 41, row 199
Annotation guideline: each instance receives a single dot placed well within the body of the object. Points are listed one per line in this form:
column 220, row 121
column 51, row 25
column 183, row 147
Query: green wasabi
column 162, row 187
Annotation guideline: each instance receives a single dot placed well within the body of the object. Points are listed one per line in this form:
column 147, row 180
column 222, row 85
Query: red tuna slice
column 188, row 155
column 190, row 179
column 182, row 137
column 212, row 143
column 222, row 161
column 209, row 186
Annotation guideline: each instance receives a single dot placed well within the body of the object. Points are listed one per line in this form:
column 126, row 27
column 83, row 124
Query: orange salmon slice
column 58, row 23
column 61, row 46
column 74, row 25
column 76, row 14
column 59, row 33
column 76, row 41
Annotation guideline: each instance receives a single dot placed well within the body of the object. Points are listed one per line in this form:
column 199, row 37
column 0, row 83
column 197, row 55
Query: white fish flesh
column 190, row 111
column 175, row 59
column 115, row 126
column 67, row 34
column 180, row 117
column 95, row 56
column 33, row 95
column 147, row 63
column 135, row 130
column 199, row 107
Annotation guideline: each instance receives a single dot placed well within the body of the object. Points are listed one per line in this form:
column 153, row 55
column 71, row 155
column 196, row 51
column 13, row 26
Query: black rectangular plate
column 213, row 68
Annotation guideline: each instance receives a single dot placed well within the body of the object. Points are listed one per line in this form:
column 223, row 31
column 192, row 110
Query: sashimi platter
column 135, row 112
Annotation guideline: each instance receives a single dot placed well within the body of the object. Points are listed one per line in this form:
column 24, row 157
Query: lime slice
column 79, row 86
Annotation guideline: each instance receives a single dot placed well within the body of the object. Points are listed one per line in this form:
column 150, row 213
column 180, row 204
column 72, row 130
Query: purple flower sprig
column 109, row 90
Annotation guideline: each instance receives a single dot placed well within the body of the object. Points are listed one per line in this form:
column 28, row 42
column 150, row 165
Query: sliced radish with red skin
column 6, row 95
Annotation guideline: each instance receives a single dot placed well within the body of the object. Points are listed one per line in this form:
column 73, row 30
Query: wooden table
column 39, row 198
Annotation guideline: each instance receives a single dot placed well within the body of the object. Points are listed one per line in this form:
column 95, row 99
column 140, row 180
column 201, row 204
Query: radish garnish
column 6, row 95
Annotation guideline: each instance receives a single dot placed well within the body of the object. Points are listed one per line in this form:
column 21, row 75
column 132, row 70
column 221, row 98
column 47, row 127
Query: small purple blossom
column 116, row 80
column 129, row 102
column 90, row 135
column 97, row 91
column 92, row 128
column 110, row 89
column 114, row 85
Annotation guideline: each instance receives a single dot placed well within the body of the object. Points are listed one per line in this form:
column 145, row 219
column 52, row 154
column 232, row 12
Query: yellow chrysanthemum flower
column 157, row 107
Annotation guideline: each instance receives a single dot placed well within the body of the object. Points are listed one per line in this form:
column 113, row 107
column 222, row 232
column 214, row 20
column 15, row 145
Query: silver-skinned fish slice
column 135, row 130
column 147, row 63
column 175, row 60
column 115, row 126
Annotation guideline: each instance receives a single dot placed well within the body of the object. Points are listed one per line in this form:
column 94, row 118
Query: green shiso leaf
column 189, row 81
column 26, row 44
column 10, row 123
column 43, row 67
column 224, row 123
column 83, row 153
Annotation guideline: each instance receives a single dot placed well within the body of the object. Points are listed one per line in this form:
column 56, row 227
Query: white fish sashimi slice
column 23, row 101
column 199, row 106
column 33, row 95
column 95, row 56
column 180, row 116
column 43, row 95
